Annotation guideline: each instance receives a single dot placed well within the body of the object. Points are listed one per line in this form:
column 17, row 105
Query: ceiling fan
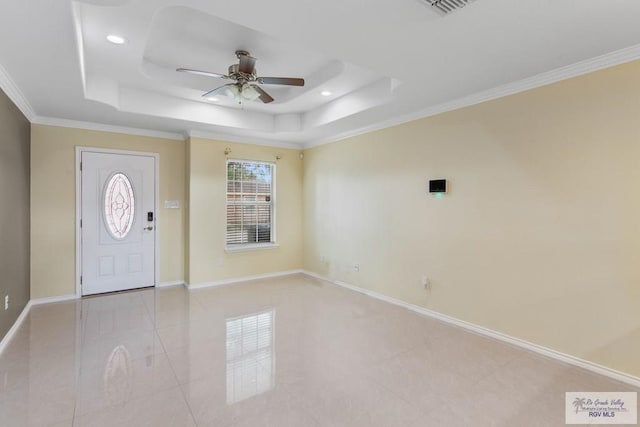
column 246, row 80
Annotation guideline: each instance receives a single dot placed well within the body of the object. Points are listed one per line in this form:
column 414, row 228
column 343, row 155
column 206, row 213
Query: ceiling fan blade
column 288, row 81
column 264, row 96
column 247, row 64
column 217, row 91
column 201, row 73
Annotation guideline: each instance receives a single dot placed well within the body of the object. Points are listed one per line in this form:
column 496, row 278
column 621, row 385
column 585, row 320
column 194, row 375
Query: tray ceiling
column 383, row 62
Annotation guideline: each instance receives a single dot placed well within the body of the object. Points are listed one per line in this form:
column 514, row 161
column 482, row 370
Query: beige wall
column 14, row 212
column 53, row 179
column 539, row 236
column 208, row 261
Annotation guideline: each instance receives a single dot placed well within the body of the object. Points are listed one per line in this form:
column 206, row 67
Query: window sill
column 250, row 247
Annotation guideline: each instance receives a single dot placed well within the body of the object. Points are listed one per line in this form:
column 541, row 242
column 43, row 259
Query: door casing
column 79, row 151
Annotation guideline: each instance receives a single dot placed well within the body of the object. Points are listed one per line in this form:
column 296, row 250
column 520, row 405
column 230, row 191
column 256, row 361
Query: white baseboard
column 236, row 280
column 49, row 300
column 170, row 284
column 16, row 325
column 566, row 358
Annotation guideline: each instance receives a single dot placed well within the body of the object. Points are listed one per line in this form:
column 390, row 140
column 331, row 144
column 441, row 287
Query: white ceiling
column 384, row 61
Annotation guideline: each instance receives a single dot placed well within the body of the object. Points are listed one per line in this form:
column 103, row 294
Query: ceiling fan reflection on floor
column 246, row 80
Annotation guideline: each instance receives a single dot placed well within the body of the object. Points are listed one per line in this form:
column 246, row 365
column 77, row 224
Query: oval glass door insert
column 119, row 205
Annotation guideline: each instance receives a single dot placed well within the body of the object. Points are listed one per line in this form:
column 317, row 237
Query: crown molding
column 244, row 140
column 15, row 94
column 563, row 73
column 75, row 124
column 577, row 69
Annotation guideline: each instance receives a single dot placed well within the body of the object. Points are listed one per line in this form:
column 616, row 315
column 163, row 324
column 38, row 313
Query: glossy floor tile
column 291, row 351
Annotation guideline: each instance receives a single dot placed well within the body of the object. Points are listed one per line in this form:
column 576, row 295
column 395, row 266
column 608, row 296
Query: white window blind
column 249, row 202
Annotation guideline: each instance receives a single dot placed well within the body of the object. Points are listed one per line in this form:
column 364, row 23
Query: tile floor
column 291, row 351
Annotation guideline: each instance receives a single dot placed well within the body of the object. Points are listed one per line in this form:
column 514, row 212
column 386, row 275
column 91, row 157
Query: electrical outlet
column 356, row 267
column 426, row 284
column 6, row 302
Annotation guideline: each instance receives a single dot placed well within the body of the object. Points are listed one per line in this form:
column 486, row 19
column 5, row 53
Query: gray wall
column 15, row 136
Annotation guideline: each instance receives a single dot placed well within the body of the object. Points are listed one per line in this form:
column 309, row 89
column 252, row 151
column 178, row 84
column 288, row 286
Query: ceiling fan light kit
column 239, row 93
column 246, row 80
column 249, row 92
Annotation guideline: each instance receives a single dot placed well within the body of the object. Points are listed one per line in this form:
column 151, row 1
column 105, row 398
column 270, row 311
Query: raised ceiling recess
column 144, row 79
column 379, row 63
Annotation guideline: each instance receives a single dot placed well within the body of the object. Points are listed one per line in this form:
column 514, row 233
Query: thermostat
column 437, row 186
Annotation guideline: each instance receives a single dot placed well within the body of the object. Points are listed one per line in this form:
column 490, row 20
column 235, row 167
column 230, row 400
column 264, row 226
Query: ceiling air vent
column 445, row 7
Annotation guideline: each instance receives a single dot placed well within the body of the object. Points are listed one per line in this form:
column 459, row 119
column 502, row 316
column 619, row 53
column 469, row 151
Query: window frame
column 241, row 247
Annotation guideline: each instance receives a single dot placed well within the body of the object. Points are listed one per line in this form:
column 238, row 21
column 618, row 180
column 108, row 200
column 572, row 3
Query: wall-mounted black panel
column 437, row 186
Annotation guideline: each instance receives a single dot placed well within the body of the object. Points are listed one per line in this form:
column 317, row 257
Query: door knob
column 149, row 228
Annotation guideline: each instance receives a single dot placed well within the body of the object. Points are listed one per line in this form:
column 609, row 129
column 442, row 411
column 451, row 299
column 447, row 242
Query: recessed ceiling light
column 325, row 93
column 213, row 98
column 115, row 39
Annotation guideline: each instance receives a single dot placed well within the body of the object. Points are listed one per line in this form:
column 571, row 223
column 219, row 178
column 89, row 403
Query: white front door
column 118, row 233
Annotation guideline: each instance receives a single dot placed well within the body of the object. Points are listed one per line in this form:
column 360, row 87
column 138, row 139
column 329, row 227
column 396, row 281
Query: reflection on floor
column 250, row 357
column 291, row 351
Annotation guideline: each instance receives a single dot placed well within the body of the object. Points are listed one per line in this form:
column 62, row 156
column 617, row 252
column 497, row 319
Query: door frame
column 156, row 156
